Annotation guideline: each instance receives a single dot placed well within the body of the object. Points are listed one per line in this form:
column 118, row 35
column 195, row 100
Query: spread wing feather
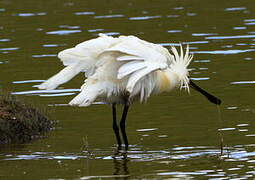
column 129, row 68
column 81, row 58
column 139, row 59
column 136, row 76
column 129, row 58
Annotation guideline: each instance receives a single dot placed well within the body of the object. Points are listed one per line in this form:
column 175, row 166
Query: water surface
column 174, row 135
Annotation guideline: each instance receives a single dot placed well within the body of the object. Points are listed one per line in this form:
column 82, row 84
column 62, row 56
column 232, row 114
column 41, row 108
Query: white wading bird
column 121, row 70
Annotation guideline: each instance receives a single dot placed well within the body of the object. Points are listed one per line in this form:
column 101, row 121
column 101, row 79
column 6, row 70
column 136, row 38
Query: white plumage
column 121, row 68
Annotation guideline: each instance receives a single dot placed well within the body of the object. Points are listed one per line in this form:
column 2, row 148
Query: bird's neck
column 167, row 80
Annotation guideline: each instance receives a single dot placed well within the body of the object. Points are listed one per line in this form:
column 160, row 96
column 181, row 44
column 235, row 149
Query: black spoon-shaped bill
column 210, row 97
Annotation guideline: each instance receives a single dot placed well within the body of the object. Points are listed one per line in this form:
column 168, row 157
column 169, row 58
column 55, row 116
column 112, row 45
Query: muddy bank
column 21, row 122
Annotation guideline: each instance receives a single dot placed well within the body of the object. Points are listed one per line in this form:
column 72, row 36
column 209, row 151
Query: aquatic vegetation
column 21, row 122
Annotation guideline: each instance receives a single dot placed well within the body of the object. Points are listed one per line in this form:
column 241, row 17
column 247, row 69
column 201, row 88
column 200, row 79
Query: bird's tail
column 87, row 96
column 180, row 66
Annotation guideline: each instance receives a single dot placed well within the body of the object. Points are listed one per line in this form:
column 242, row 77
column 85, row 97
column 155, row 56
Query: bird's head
column 179, row 67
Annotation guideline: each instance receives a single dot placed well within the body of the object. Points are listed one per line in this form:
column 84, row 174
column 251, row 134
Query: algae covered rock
column 20, row 122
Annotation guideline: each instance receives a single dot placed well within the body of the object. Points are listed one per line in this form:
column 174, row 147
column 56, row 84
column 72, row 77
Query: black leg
column 123, row 125
column 115, row 126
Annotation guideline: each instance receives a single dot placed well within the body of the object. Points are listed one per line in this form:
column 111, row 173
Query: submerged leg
column 115, row 126
column 123, row 125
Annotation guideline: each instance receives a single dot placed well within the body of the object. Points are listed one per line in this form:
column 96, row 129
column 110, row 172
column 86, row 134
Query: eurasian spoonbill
column 121, row 70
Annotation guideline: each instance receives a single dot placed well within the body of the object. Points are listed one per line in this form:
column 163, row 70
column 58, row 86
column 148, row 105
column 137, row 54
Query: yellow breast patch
column 164, row 82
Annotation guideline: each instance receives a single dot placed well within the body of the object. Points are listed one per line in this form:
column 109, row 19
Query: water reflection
column 232, row 51
column 56, row 92
column 144, row 17
column 28, row 81
column 84, row 13
column 109, row 16
column 223, row 45
column 231, row 37
column 235, row 9
column 239, row 28
column 9, row 49
column 5, row 40
column 174, row 31
column 95, row 30
column 173, row 156
column 50, row 45
column 243, row 82
column 31, row 14
column 111, row 33
column 44, row 55
column 121, row 165
column 64, row 32
column 106, row 176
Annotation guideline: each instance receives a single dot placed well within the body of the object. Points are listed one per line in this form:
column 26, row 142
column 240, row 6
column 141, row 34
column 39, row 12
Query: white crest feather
column 180, row 65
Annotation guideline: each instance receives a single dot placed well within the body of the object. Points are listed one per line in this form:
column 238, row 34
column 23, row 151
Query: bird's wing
column 139, row 59
column 86, row 52
column 81, row 58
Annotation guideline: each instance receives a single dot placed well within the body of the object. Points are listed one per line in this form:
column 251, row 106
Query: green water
column 173, row 135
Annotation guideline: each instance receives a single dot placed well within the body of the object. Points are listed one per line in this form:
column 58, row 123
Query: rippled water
column 172, row 136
